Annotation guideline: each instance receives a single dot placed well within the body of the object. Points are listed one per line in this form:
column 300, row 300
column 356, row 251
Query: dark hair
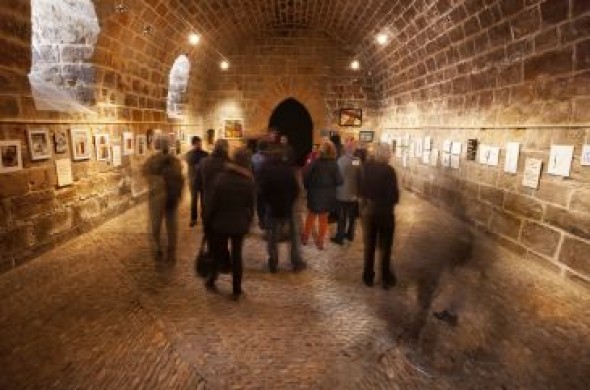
column 262, row 145
column 195, row 140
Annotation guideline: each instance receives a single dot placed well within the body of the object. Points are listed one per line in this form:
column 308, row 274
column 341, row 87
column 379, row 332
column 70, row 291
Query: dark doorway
column 292, row 119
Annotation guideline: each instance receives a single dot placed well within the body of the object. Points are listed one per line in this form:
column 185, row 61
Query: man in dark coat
column 379, row 194
column 258, row 160
column 228, row 214
column 193, row 158
column 209, row 168
column 164, row 172
column 280, row 189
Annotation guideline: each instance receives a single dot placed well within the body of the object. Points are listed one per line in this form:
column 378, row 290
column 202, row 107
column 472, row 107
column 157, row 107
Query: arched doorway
column 292, row 119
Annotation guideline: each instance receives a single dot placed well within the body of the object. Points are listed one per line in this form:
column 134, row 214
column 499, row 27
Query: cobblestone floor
column 98, row 313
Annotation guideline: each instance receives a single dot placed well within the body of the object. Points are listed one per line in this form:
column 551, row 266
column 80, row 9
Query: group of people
column 340, row 183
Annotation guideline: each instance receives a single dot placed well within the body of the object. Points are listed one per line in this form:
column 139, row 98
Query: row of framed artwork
column 40, row 147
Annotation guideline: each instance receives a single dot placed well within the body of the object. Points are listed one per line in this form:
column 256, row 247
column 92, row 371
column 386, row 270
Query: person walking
column 164, row 173
column 320, row 179
column 280, row 189
column 193, row 158
column 258, row 160
column 379, row 193
column 229, row 211
column 209, row 168
column 346, row 195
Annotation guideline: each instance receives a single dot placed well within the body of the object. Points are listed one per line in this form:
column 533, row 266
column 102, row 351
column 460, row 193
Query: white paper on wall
column 406, row 140
column 447, row 144
column 483, row 154
column 405, row 160
column 419, row 142
column 532, row 173
column 434, row 157
column 489, row 155
column 427, row 143
column 512, row 154
column 412, row 149
column 399, row 150
column 456, row 148
column 455, row 161
column 117, row 162
column 426, row 157
column 63, row 169
column 446, row 160
column 560, row 160
column 585, row 159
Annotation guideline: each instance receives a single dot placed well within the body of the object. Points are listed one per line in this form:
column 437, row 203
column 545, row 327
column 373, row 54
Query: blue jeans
column 346, row 220
column 275, row 228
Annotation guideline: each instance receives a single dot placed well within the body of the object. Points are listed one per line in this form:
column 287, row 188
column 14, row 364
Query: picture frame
column 60, row 142
column 351, row 117
column 39, row 144
column 128, row 143
column 366, row 136
column 141, row 145
column 11, row 158
column 233, row 128
column 80, row 141
column 103, row 147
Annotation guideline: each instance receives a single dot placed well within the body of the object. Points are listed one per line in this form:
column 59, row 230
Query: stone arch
column 64, row 36
column 177, row 85
column 291, row 118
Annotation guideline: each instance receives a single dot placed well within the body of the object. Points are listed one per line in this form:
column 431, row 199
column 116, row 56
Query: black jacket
column 193, row 158
column 209, row 168
column 230, row 202
column 279, row 188
column 320, row 179
column 378, row 187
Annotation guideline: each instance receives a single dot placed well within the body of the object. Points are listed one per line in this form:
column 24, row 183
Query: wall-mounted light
column 121, row 7
column 355, row 65
column 382, row 39
column 224, row 65
column 194, row 39
column 148, row 29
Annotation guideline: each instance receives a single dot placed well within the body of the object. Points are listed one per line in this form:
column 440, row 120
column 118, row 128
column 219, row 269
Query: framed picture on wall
column 366, row 136
column 141, row 145
column 351, row 117
column 11, row 158
column 103, row 147
column 233, row 128
column 39, row 144
column 128, row 143
column 60, row 141
column 80, row 144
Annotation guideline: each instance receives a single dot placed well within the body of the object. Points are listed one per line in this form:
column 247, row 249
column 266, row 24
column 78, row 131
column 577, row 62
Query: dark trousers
column 275, row 228
column 195, row 196
column 378, row 230
column 160, row 212
column 346, row 220
column 219, row 245
column 261, row 210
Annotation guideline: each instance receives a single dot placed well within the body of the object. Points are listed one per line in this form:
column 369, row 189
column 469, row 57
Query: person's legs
column 156, row 216
column 370, row 241
column 172, row 230
column 194, row 205
column 386, row 230
column 309, row 221
column 341, row 226
column 323, row 229
column 217, row 242
column 261, row 211
column 236, row 254
column 273, row 226
column 296, row 259
column 351, row 210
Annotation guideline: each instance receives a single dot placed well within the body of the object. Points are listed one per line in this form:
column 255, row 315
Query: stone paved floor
column 97, row 313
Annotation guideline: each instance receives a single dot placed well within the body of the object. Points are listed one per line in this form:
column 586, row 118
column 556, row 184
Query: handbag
column 204, row 260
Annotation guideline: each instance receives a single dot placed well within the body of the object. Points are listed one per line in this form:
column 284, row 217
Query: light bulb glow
column 194, row 39
column 224, row 65
column 355, row 65
column 382, row 39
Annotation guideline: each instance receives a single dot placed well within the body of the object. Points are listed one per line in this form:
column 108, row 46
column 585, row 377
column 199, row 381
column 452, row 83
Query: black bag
column 204, row 260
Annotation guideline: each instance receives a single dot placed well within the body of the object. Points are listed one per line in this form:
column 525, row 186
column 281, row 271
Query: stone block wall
column 306, row 65
column 551, row 223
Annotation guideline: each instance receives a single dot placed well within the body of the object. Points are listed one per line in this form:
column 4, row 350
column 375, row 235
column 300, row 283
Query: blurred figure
column 229, row 212
column 280, row 189
column 313, row 155
column 258, row 160
column 320, row 179
column 287, row 149
column 379, row 194
column 193, row 158
column 347, row 194
column 164, row 173
column 209, row 168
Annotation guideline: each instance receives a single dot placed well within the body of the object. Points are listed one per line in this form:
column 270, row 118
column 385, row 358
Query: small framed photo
column 103, row 147
column 128, row 143
column 39, row 144
column 80, row 144
column 351, row 117
column 141, row 145
column 11, row 158
column 366, row 136
column 60, row 141
column 233, row 128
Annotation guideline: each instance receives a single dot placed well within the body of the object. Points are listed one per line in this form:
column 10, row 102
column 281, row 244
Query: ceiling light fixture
column 355, row 65
column 382, row 39
column 194, row 39
column 224, row 65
